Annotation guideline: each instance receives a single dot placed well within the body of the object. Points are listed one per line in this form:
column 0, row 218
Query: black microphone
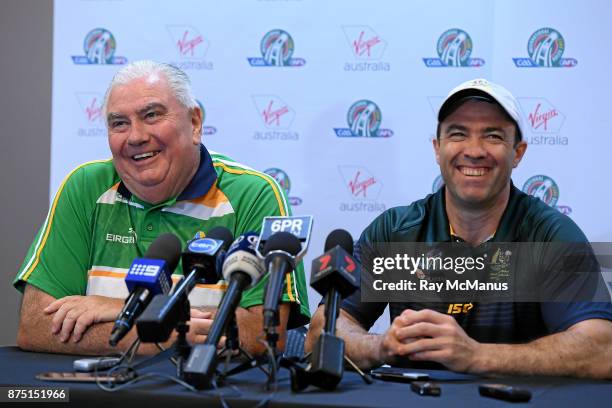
column 280, row 252
column 333, row 276
column 242, row 269
column 203, row 255
column 146, row 278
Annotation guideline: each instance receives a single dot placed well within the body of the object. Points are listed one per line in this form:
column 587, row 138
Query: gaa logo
column 454, row 49
column 282, row 178
column 545, row 48
column 276, row 49
column 206, row 130
column 99, row 46
column 364, row 119
column 544, row 188
column 437, row 184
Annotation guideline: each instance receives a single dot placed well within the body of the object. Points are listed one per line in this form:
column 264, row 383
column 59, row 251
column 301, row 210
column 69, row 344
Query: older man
column 479, row 142
column 106, row 213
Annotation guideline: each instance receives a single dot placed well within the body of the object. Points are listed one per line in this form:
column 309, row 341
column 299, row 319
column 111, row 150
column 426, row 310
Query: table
column 19, row 368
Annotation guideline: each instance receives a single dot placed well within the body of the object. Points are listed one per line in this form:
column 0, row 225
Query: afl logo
column 454, row 48
column 283, row 180
column 545, row 47
column 542, row 187
column 277, row 48
column 99, row 46
column 364, row 118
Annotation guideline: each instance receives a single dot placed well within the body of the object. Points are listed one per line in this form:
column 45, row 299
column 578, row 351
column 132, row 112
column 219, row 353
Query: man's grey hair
column 177, row 80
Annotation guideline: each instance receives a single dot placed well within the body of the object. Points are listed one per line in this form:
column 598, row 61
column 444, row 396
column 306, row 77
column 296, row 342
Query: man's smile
column 473, row 171
column 145, row 156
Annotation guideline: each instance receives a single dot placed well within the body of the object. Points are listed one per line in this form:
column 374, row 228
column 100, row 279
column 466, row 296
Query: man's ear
column 196, row 123
column 519, row 152
column 436, row 146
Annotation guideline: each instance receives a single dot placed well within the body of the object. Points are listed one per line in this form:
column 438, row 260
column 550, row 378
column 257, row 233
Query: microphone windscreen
column 242, row 257
column 167, row 247
column 222, row 234
column 339, row 237
column 283, row 241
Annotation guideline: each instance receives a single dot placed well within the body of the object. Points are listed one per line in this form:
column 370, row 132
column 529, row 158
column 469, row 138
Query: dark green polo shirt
column 525, row 219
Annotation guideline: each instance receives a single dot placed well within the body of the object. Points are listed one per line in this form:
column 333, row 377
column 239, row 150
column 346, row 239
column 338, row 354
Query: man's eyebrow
column 148, row 107
column 455, row 127
column 494, row 129
column 114, row 115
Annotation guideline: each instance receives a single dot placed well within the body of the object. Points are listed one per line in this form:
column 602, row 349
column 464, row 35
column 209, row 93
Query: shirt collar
column 507, row 230
column 202, row 181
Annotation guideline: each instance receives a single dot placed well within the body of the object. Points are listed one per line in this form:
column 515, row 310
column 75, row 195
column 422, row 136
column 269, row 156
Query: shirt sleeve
column 573, row 288
column 270, row 200
column 58, row 259
column 366, row 313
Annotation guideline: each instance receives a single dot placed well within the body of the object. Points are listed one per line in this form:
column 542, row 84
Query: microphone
column 201, row 258
column 146, row 278
column 280, row 252
column 333, row 276
column 242, row 269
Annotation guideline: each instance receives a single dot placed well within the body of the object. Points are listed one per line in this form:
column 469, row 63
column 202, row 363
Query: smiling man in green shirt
column 106, row 213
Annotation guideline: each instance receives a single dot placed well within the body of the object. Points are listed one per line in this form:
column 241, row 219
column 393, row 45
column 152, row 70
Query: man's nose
column 138, row 134
column 474, row 148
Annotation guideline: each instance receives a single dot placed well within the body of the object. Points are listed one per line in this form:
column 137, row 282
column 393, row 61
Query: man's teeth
column 471, row 171
column 144, row 155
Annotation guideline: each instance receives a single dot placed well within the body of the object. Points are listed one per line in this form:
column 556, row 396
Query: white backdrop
column 346, row 120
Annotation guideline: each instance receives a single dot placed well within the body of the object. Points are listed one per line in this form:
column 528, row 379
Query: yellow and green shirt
column 96, row 227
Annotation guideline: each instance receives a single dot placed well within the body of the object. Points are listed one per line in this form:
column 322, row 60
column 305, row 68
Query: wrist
column 483, row 358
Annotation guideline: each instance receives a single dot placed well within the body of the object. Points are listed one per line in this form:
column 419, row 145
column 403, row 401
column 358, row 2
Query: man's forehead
column 478, row 109
column 139, row 92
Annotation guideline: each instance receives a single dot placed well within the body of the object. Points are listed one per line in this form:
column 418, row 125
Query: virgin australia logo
column 363, row 188
column 277, row 116
column 92, row 122
column 367, row 48
column 190, row 47
column 545, row 122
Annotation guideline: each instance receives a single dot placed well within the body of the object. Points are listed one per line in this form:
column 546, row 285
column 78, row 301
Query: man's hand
column 73, row 315
column 199, row 326
column 431, row 336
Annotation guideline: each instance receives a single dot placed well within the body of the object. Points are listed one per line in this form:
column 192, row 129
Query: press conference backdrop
column 337, row 99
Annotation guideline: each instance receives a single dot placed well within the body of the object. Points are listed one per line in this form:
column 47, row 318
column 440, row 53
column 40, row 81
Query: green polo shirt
column 96, row 227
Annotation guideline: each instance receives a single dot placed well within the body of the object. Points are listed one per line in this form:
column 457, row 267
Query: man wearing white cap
column 479, row 141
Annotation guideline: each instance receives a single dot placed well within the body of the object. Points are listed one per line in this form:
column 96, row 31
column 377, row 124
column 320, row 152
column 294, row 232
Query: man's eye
column 456, row 135
column 495, row 136
column 151, row 115
column 117, row 124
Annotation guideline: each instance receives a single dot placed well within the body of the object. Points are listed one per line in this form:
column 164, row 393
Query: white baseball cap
column 485, row 89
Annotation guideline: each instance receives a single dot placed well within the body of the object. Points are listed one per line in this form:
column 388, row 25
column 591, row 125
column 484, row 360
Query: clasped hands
column 427, row 335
